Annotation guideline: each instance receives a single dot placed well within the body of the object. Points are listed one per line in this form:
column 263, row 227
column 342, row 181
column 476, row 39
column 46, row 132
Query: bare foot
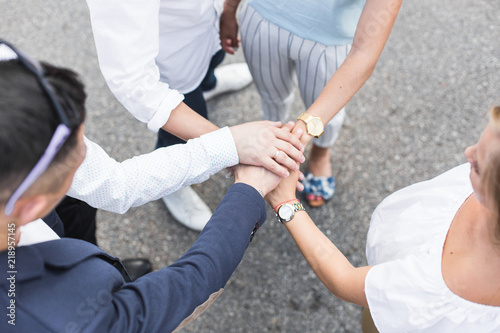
column 320, row 164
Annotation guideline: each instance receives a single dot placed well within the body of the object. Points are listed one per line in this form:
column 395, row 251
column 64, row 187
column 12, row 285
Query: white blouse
column 405, row 288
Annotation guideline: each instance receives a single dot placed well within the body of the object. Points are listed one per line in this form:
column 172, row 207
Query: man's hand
column 229, row 27
column 259, row 178
column 264, row 143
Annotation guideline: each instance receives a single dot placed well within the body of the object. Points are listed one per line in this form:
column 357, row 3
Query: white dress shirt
column 151, row 52
column 107, row 184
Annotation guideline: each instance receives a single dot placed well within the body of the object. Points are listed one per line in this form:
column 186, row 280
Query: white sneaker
column 188, row 208
column 230, row 78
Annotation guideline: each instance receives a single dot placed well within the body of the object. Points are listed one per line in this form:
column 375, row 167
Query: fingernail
column 303, row 159
column 299, row 131
column 287, row 174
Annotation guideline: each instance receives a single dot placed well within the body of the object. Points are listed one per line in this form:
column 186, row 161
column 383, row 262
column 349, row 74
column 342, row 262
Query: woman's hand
column 285, row 191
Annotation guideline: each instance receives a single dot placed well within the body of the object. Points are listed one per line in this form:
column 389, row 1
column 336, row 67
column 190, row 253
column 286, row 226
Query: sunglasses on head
column 69, row 116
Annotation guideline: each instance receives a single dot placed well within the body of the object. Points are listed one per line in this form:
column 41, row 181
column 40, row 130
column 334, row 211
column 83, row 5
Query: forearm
column 342, row 86
column 372, row 33
column 162, row 300
column 186, row 124
column 107, row 184
column 231, row 5
column 330, row 265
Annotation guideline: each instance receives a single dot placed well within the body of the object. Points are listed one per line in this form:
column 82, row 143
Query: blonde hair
column 491, row 178
column 495, row 118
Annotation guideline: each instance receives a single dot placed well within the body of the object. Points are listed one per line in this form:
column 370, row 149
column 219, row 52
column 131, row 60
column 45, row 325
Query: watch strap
column 305, row 117
column 298, row 206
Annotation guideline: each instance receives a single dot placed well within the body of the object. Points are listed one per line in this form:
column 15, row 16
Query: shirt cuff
column 221, row 148
column 170, row 102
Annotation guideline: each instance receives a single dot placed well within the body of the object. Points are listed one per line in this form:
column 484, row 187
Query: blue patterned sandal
column 318, row 189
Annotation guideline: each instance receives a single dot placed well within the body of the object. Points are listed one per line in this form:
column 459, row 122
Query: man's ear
column 30, row 209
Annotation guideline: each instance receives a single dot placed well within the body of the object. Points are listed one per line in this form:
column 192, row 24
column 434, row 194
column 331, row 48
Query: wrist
column 231, row 6
column 294, row 200
column 262, row 191
column 306, row 137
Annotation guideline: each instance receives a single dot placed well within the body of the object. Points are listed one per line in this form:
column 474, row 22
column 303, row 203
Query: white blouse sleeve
column 126, row 34
column 107, row 184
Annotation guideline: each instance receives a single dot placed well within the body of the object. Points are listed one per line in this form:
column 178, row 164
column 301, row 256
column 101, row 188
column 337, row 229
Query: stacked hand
column 267, row 154
column 267, row 144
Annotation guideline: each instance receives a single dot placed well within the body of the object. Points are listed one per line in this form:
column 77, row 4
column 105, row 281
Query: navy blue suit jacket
column 69, row 285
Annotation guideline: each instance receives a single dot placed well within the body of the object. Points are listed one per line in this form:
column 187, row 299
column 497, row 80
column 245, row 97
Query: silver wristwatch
column 286, row 211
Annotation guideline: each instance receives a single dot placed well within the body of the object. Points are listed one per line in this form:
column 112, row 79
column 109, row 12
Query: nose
column 469, row 153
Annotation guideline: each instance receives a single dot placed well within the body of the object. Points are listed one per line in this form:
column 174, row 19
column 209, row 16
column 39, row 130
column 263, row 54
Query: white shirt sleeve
column 126, row 34
column 107, row 184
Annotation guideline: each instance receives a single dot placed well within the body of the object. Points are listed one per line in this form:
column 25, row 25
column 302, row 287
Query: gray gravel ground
column 425, row 102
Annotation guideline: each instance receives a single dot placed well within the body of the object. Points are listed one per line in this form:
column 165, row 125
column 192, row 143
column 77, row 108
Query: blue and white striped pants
column 274, row 55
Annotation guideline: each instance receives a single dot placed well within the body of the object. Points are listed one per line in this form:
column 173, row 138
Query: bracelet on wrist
column 274, row 209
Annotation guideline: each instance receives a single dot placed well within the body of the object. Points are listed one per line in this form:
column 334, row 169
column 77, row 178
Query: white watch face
column 285, row 212
column 315, row 126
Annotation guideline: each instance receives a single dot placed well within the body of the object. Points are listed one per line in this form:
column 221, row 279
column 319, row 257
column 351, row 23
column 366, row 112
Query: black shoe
column 137, row 267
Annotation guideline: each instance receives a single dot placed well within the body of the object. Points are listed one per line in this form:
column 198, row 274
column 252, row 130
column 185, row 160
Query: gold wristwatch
column 314, row 125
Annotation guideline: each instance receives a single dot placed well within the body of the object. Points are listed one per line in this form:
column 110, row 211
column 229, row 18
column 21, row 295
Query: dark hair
column 28, row 120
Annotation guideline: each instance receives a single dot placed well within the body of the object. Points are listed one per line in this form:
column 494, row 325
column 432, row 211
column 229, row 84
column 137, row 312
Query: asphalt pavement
column 425, row 103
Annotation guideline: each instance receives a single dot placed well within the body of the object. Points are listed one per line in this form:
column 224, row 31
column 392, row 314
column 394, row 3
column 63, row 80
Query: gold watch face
column 315, row 127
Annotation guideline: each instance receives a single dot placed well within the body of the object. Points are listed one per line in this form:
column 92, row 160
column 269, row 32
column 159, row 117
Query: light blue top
column 329, row 22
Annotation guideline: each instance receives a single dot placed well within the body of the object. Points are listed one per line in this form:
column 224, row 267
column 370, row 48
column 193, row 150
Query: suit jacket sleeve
column 162, row 300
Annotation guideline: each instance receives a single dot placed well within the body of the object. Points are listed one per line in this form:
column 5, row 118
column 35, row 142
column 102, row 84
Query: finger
column 226, row 47
column 293, row 153
column 300, row 187
column 298, row 133
column 288, row 126
column 287, row 162
column 301, row 176
column 285, row 135
column 275, row 168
